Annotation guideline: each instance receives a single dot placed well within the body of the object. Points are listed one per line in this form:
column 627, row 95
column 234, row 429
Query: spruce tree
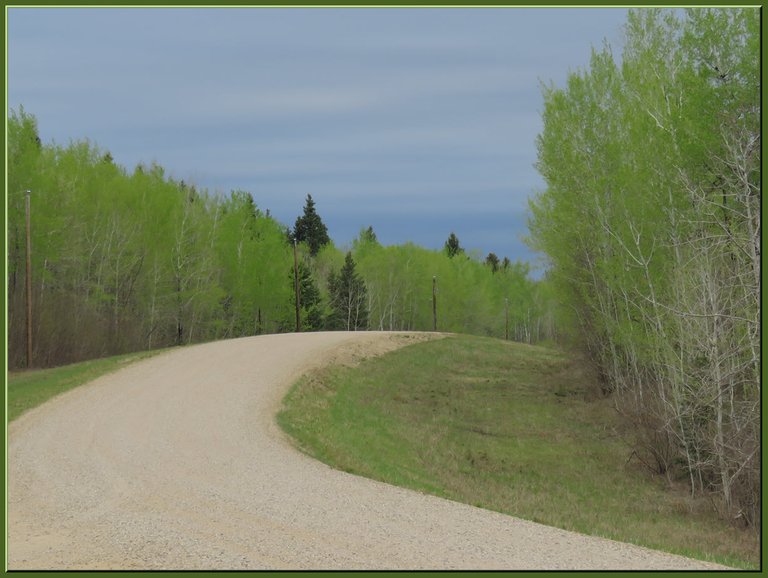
column 349, row 299
column 369, row 236
column 492, row 260
column 452, row 246
column 310, row 228
column 311, row 314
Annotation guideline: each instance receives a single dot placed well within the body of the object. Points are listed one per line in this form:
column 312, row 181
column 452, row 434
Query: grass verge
column 29, row 388
column 506, row 427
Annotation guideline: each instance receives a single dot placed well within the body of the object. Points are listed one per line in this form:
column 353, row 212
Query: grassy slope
column 28, row 389
column 506, row 427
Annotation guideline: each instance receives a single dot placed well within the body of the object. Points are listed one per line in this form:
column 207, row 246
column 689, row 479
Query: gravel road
column 176, row 463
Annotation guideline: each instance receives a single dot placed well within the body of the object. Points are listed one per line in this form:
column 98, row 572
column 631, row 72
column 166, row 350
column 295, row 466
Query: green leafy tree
column 348, row 298
column 253, row 255
column 25, row 155
column 650, row 220
column 310, row 228
column 369, row 236
column 125, row 261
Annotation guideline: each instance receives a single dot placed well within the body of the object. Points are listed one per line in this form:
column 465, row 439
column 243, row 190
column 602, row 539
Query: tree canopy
column 651, row 222
column 310, row 229
column 129, row 260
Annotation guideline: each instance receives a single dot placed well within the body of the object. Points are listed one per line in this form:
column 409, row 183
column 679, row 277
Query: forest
column 651, row 223
column 124, row 261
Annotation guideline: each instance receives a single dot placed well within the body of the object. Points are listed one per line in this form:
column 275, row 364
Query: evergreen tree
column 452, row 246
column 349, row 298
column 310, row 228
column 311, row 313
column 492, row 261
column 369, row 236
column 365, row 242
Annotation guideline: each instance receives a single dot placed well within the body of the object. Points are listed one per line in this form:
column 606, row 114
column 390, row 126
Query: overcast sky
column 418, row 122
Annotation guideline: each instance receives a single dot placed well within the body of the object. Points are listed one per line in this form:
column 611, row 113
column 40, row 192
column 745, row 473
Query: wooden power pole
column 434, row 303
column 296, row 286
column 506, row 319
column 29, row 282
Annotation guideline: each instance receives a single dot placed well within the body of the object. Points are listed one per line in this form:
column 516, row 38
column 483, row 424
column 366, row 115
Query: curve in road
column 176, row 463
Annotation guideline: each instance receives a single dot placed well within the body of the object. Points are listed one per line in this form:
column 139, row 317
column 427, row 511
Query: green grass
column 30, row 388
column 507, row 427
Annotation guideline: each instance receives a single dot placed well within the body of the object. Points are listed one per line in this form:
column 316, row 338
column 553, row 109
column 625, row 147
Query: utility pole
column 29, row 282
column 506, row 319
column 296, row 286
column 434, row 303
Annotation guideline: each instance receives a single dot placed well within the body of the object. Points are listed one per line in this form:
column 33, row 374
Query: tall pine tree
column 310, row 228
column 349, row 299
column 452, row 247
column 492, row 260
column 311, row 312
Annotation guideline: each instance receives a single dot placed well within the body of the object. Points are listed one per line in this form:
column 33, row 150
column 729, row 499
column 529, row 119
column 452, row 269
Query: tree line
column 651, row 223
column 132, row 260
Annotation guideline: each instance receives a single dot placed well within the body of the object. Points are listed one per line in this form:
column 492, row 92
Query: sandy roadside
column 176, row 463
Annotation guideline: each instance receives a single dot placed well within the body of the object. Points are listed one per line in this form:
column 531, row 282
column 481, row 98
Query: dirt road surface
column 176, row 463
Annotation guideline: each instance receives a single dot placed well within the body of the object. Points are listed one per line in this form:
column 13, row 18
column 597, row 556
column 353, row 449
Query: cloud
column 419, row 118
